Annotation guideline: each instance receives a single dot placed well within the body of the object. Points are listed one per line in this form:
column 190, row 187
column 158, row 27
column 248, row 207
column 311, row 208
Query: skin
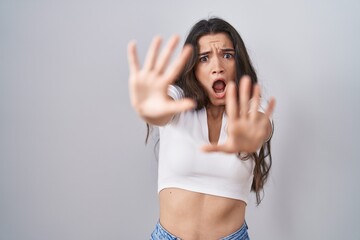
column 186, row 214
column 216, row 62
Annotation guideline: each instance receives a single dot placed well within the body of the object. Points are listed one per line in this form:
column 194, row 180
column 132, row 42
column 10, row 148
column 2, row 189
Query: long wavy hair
column 192, row 88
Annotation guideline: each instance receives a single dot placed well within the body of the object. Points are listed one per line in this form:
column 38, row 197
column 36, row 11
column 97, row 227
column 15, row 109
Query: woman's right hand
column 149, row 85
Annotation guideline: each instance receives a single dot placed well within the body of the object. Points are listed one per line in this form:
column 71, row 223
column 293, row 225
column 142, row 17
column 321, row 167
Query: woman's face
column 216, row 65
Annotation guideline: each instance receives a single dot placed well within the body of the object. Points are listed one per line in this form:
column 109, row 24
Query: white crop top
column 183, row 165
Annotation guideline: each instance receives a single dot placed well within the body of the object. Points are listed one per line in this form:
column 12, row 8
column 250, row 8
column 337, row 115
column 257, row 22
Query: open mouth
column 219, row 88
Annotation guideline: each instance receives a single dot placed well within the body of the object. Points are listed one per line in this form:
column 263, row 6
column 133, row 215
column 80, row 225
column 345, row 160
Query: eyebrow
column 223, row 50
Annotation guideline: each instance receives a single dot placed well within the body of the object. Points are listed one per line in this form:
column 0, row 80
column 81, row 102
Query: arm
column 148, row 86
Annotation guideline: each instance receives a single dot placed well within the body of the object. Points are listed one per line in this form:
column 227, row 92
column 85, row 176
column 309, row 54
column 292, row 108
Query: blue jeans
column 160, row 233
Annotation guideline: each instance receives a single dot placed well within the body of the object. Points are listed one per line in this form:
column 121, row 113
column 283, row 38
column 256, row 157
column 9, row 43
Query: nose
column 217, row 66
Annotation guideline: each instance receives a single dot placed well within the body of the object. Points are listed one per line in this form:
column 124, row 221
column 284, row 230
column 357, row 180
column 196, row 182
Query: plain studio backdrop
column 73, row 163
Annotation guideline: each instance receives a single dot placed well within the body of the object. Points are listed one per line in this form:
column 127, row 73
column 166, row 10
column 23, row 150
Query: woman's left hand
column 247, row 129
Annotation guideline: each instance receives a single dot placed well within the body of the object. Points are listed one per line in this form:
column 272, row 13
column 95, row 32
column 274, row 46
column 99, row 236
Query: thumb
column 182, row 105
column 212, row 148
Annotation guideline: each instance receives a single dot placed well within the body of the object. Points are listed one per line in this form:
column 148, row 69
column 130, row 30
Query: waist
column 187, row 212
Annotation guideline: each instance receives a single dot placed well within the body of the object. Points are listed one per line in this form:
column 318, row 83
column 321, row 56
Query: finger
column 231, row 101
column 270, row 109
column 255, row 102
column 133, row 58
column 152, row 53
column 244, row 92
column 179, row 64
column 180, row 105
column 166, row 54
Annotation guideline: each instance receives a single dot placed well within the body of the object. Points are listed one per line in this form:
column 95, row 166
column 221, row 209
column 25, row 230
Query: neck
column 215, row 112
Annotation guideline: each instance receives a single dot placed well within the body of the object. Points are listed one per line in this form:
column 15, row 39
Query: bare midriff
column 191, row 215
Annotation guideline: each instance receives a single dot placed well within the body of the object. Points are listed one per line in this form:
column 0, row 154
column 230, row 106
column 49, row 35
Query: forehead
column 218, row 40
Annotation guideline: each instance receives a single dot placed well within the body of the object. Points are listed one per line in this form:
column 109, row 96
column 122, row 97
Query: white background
column 73, row 164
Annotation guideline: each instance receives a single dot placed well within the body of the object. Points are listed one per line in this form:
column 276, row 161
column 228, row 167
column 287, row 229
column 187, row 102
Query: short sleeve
column 175, row 92
column 261, row 108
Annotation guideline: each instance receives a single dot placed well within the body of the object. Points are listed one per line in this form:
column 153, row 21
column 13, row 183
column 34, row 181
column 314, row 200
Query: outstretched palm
column 246, row 127
column 149, row 85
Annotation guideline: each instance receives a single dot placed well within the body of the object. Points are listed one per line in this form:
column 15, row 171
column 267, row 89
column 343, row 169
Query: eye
column 203, row 58
column 228, row 55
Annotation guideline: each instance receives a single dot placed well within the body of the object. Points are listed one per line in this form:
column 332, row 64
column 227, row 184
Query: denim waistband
column 160, row 233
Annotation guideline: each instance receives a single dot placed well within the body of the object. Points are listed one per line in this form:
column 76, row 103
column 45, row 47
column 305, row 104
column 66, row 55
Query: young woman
column 214, row 133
